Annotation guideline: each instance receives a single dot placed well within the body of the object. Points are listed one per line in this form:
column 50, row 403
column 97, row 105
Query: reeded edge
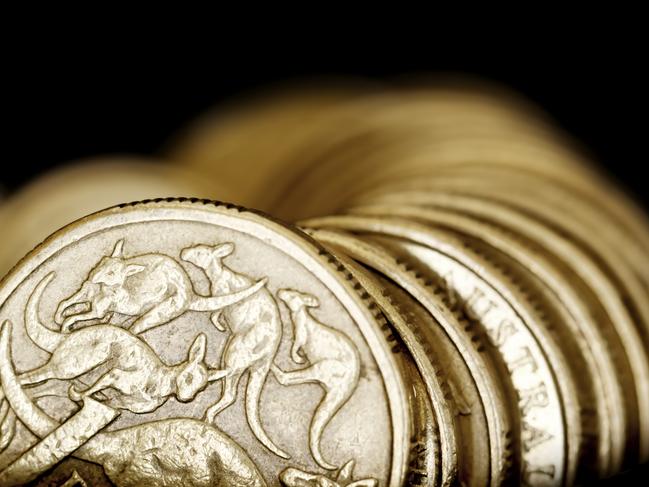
column 588, row 338
column 491, row 397
column 487, row 273
column 590, row 272
column 437, row 389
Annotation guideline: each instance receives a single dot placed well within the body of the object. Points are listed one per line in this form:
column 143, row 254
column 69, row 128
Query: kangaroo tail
column 44, row 338
column 215, row 303
column 326, row 410
column 256, row 382
column 31, row 415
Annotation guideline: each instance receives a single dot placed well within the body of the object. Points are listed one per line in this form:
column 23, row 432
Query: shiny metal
column 472, row 352
column 144, row 379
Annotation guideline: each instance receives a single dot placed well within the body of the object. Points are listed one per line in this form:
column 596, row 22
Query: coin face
column 191, row 343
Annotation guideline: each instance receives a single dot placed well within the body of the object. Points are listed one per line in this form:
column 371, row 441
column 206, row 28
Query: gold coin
column 302, row 137
column 163, row 308
column 587, row 348
column 595, row 338
column 467, row 344
column 437, row 460
column 606, row 301
column 512, row 324
column 414, row 134
column 466, row 405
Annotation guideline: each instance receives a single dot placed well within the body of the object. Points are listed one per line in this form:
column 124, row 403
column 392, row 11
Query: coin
column 524, row 348
column 304, row 138
column 595, row 343
column 198, row 342
column 472, row 311
column 467, row 346
column 424, row 456
column 463, row 397
column 406, row 136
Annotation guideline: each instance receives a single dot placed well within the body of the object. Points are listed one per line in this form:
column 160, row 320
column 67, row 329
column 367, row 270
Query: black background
column 70, row 100
column 66, row 97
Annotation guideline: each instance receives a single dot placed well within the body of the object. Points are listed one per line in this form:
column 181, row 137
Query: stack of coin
column 460, row 298
column 464, row 212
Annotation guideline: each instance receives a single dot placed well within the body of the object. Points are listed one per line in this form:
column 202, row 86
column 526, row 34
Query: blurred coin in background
column 66, row 194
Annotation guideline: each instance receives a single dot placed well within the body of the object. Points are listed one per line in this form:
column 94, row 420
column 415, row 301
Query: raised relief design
column 102, row 369
column 333, row 360
column 255, row 334
column 109, row 357
column 152, row 287
column 178, row 451
column 294, row 477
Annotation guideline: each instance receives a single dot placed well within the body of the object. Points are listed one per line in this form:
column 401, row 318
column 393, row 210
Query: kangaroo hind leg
column 40, row 374
column 230, row 386
column 330, row 404
column 109, row 379
column 295, row 377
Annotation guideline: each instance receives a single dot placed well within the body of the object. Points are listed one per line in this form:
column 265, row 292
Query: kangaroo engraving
column 120, row 361
column 333, row 361
column 294, row 477
column 152, row 287
column 163, row 453
column 256, row 331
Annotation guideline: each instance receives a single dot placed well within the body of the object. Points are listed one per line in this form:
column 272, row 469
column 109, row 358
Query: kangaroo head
column 113, row 271
column 203, row 256
column 296, row 300
column 194, row 376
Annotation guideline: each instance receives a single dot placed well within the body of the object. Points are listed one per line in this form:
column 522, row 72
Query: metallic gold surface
column 457, row 296
column 130, row 353
column 473, row 353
